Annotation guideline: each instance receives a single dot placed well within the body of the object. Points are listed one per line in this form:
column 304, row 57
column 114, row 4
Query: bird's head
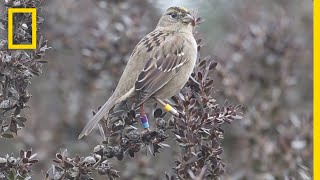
column 176, row 18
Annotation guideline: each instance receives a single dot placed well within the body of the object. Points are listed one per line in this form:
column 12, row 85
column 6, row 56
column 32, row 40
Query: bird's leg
column 143, row 118
column 142, row 110
column 168, row 107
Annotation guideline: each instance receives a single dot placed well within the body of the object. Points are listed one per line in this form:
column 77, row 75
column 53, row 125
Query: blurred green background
column 264, row 51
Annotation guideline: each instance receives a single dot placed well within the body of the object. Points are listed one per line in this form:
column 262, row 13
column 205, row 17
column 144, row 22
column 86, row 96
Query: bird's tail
column 104, row 110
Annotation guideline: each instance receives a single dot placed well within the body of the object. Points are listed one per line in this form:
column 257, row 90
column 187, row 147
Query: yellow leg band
column 170, row 109
column 167, row 108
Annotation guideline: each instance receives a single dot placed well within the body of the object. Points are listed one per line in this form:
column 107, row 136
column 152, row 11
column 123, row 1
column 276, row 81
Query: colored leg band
column 145, row 125
column 167, row 107
column 170, row 109
column 144, row 121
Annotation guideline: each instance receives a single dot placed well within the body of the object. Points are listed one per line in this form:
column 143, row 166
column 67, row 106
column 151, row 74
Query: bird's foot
column 145, row 130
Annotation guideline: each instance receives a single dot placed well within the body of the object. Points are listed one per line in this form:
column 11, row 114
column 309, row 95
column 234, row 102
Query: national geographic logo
column 11, row 12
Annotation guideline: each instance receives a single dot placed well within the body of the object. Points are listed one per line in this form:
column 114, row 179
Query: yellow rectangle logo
column 316, row 89
column 33, row 12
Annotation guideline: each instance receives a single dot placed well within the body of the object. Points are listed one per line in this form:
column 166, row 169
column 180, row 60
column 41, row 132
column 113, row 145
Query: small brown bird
column 159, row 66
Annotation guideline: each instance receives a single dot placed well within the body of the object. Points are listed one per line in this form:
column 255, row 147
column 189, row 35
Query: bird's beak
column 188, row 19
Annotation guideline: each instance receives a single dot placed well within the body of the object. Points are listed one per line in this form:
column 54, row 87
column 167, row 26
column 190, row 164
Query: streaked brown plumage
column 159, row 66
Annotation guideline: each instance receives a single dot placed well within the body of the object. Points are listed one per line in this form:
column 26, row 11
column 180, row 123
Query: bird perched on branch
column 159, row 66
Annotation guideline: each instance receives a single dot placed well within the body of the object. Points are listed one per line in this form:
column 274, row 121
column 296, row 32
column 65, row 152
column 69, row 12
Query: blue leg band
column 144, row 121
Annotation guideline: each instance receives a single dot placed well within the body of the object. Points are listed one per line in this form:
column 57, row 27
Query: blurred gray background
column 264, row 51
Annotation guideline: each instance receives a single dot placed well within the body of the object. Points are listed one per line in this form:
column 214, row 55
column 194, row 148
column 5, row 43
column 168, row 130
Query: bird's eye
column 173, row 15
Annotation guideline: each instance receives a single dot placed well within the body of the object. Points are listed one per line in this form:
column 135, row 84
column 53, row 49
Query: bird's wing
column 160, row 68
